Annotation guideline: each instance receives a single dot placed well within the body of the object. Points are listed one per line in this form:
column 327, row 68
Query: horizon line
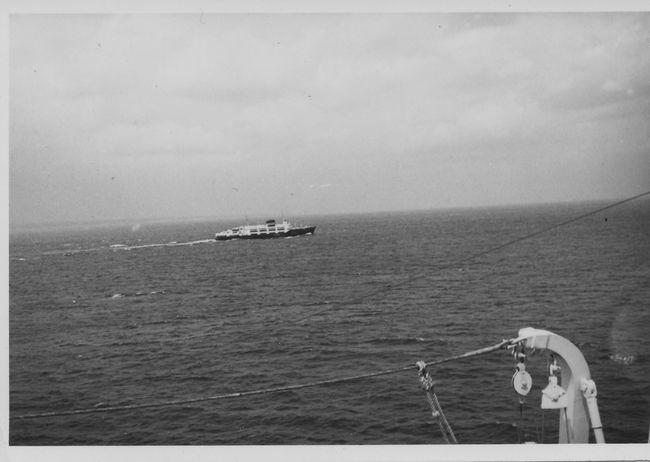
column 112, row 222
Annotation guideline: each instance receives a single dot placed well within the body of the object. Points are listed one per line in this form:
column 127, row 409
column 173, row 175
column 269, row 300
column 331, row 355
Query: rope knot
column 425, row 379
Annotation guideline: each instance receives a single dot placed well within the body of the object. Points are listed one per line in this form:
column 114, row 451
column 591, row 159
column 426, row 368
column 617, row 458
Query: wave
column 405, row 340
column 137, row 294
column 626, row 360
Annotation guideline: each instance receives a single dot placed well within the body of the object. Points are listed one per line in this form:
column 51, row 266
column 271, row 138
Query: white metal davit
column 576, row 396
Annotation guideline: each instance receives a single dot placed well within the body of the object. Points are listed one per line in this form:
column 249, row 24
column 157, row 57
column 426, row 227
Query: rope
column 435, row 412
column 445, row 427
column 483, row 253
column 180, row 402
column 566, row 425
column 558, row 225
column 344, row 379
column 521, row 431
column 436, row 409
column 411, row 279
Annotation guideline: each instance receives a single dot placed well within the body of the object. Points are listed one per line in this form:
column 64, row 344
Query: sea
column 127, row 315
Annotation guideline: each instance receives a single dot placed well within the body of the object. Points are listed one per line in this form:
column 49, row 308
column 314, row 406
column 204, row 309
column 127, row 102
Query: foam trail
column 170, row 244
column 119, row 247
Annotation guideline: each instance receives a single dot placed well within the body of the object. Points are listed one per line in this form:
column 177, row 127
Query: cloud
column 286, row 101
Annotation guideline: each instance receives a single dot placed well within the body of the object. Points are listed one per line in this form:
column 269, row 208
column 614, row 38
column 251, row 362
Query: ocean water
column 129, row 315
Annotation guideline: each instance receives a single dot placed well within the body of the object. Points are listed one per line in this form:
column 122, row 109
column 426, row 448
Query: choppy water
column 129, row 315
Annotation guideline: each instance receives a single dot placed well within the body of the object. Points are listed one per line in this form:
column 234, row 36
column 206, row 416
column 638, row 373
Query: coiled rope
column 181, row 402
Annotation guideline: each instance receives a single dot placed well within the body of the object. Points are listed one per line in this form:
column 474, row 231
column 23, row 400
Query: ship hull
column 290, row 233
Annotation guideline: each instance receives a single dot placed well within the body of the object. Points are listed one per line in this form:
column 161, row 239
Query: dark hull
column 292, row 232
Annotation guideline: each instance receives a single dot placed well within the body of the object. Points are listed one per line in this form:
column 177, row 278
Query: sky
column 143, row 117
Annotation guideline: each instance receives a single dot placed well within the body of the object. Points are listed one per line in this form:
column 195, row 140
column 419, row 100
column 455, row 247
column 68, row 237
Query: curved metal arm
column 574, row 425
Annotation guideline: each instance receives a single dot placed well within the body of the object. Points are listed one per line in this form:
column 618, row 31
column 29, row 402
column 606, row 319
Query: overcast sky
column 233, row 115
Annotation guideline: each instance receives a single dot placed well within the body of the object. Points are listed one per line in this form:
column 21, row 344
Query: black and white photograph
column 330, row 233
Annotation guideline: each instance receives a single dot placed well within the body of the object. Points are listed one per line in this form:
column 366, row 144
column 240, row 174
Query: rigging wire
column 432, row 398
column 343, row 379
column 477, row 255
column 327, row 306
column 181, row 402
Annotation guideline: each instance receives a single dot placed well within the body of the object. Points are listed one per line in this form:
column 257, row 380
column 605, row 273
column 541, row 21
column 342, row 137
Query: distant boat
column 268, row 230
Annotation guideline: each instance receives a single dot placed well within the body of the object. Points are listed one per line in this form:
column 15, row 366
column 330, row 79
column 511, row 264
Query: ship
column 268, row 230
